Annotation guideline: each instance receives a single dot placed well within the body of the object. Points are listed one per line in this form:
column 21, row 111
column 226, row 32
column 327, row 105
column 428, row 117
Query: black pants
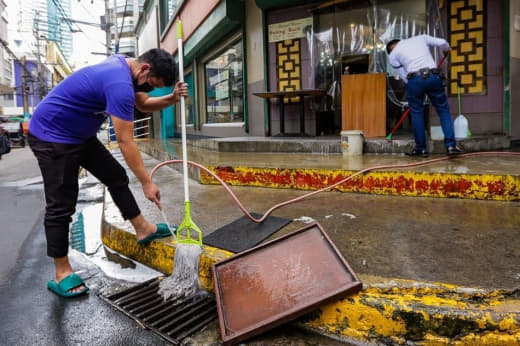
column 59, row 164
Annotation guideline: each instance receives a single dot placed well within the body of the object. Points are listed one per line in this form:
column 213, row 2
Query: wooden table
column 281, row 94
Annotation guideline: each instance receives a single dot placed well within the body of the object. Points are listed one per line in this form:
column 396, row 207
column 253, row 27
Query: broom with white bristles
column 184, row 280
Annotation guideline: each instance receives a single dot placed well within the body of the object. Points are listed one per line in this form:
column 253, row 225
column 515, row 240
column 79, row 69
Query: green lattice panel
column 288, row 67
column 467, row 33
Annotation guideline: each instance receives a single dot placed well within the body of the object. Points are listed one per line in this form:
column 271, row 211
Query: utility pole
column 107, row 27
column 41, row 80
column 116, row 31
column 25, row 99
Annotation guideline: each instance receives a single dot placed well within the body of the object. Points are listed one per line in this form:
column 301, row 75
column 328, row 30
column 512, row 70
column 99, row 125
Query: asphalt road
column 33, row 315
column 21, row 204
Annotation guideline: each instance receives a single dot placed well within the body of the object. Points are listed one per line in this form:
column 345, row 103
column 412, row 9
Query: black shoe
column 416, row 152
column 455, row 150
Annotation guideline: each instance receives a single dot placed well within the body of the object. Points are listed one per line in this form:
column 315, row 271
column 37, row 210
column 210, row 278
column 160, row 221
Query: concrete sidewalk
column 434, row 270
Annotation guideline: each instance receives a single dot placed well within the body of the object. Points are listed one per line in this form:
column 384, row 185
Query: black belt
column 424, row 73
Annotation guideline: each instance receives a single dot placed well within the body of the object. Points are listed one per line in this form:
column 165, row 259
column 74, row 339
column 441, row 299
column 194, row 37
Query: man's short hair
column 389, row 46
column 162, row 65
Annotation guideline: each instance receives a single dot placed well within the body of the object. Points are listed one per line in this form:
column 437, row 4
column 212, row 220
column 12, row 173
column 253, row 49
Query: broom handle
column 183, row 117
column 458, row 96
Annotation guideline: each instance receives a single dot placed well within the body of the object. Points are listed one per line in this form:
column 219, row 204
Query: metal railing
column 141, row 129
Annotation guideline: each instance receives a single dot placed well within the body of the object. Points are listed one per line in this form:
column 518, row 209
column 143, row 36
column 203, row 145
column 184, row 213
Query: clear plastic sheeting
column 351, row 37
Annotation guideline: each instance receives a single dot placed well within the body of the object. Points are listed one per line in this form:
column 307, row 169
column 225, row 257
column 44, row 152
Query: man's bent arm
column 125, row 138
column 146, row 104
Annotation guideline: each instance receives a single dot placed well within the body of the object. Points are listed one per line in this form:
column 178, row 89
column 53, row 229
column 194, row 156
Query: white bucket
column 436, row 133
column 352, row 142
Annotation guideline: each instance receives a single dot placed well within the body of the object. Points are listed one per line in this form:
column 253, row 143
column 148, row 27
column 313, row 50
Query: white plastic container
column 352, row 142
column 436, row 133
column 461, row 127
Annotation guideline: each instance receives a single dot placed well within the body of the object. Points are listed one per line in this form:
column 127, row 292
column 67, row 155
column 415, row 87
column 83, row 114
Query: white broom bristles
column 184, row 281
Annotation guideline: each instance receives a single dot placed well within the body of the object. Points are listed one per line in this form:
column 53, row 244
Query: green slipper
column 66, row 284
column 162, row 231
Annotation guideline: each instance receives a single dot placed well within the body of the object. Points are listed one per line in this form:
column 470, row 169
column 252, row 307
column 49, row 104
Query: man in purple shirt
column 62, row 136
column 415, row 65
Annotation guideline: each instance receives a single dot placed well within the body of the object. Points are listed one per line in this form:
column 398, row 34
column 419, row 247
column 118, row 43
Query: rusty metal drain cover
column 278, row 281
column 173, row 320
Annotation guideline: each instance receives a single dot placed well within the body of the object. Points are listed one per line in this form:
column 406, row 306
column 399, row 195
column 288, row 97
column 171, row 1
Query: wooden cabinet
column 363, row 103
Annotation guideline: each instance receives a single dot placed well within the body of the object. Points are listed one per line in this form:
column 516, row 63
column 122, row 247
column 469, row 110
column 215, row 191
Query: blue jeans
column 432, row 86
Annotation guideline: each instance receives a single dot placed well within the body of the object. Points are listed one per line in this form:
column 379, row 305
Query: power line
column 99, row 25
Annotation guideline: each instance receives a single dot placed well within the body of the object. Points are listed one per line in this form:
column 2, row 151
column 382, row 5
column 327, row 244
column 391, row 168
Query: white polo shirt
column 413, row 54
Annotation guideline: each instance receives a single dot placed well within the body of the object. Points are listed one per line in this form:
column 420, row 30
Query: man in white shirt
column 415, row 65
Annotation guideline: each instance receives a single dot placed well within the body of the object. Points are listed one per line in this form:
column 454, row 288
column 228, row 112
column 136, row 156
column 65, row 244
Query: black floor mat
column 243, row 233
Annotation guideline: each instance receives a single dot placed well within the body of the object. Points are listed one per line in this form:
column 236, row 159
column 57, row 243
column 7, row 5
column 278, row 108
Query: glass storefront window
column 189, row 103
column 352, row 37
column 224, row 86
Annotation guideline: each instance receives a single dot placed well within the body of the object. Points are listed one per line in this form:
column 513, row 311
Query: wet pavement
column 35, row 316
column 440, row 269
column 321, row 158
column 455, row 241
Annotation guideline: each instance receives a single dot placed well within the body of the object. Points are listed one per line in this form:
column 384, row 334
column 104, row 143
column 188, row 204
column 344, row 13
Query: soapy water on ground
column 184, row 280
column 95, row 253
column 305, row 219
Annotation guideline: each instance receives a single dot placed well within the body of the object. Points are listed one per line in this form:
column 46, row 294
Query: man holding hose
column 62, row 136
column 415, row 65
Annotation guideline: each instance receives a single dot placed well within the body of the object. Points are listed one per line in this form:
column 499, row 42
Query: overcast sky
column 92, row 39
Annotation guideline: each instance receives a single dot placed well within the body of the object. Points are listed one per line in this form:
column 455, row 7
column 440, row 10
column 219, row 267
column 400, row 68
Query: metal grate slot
column 173, row 320
column 170, row 321
column 197, row 318
column 211, row 316
column 167, row 314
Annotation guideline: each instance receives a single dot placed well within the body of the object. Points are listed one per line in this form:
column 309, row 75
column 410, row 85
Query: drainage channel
column 173, row 320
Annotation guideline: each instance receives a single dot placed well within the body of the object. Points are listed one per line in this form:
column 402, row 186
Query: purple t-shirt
column 74, row 110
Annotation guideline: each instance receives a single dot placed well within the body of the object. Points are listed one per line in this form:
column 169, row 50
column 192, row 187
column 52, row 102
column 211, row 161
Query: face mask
column 145, row 87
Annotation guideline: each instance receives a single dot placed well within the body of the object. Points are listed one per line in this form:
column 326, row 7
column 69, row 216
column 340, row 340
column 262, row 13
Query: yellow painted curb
column 398, row 183
column 159, row 254
column 499, row 187
column 388, row 311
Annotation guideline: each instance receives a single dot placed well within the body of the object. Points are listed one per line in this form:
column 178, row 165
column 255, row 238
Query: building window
column 168, row 10
column 189, row 103
column 224, row 94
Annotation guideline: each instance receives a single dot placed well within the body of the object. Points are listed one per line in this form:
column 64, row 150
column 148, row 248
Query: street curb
column 499, row 187
column 397, row 183
column 387, row 311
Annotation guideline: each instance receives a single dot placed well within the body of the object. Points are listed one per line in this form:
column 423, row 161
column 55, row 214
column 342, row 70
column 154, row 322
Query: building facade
column 234, row 50
column 40, row 42
column 6, row 66
column 58, row 27
column 123, row 34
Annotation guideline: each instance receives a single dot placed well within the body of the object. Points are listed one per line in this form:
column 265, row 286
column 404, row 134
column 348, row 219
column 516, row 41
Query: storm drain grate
column 172, row 319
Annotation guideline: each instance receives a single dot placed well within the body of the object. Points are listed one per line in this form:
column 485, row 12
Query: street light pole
column 41, row 79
